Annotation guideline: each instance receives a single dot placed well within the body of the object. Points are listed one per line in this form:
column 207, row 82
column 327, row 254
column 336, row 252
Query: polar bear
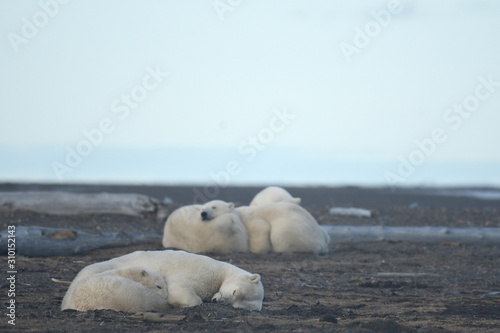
column 210, row 228
column 273, row 194
column 191, row 279
column 283, row 227
column 235, row 291
column 129, row 289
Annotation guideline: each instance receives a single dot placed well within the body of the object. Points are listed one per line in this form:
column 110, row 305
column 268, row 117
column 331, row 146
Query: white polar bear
column 129, row 289
column 273, row 194
column 191, row 279
column 283, row 227
column 211, row 228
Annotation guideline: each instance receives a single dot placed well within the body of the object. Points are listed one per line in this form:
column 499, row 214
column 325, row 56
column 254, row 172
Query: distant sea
column 231, row 167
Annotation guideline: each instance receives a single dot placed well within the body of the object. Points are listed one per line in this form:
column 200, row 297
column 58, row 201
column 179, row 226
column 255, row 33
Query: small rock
column 193, row 318
column 328, row 318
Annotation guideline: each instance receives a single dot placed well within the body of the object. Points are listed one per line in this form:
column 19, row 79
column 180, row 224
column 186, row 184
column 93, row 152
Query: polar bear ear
column 255, row 278
column 230, row 205
column 298, row 200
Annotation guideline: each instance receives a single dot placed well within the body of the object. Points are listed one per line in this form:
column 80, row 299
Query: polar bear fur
column 273, row 194
column 191, row 279
column 210, row 228
column 283, row 227
column 129, row 289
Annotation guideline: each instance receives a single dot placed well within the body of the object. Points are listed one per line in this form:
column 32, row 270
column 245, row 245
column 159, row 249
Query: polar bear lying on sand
column 211, row 228
column 218, row 227
column 130, row 289
column 191, row 279
column 273, row 194
column 283, row 227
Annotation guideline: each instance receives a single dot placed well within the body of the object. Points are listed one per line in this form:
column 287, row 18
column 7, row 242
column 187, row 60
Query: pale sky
column 361, row 84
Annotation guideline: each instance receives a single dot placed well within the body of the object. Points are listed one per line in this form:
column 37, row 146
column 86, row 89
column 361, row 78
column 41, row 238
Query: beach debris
column 65, row 203
column 361, row 212
column 450, row 244
column 404, row 275
column 36, row 241
column 60, row 281
column 414, row 205
column 167, row 201
column 480, row 194
column 162, row 214
column 361, row 234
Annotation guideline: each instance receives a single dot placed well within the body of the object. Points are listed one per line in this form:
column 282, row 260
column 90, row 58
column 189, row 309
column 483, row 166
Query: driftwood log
column 350, row 211
column 47, row 242
column 64, row 203
column 361, row 234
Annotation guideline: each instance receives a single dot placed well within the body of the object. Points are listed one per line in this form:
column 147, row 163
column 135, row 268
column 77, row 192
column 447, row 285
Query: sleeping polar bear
column 129, row 289
column 273, row 227
column 210, row 228
column 283, row 227
column 273, row 194
column 191, row 279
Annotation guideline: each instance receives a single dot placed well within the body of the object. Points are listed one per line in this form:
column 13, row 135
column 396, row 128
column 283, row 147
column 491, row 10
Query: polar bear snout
column 205, row 216
column 217, row 298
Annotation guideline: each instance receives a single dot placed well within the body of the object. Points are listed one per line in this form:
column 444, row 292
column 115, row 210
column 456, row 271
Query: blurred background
column 317, row 92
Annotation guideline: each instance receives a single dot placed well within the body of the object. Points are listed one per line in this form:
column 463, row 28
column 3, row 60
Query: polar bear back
column 273, row 194
column 291, row 227
column 169, row 262
column 130, row 289
column 117, row 293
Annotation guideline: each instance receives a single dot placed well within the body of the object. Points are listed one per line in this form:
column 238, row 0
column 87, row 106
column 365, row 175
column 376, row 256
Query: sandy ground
column 372, row 287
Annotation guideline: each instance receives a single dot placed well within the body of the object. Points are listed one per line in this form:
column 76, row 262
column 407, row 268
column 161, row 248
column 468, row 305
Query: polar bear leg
column 283, row 238
column 297, row 237
column 137, row 300
column 179, row 296
column 290, row 235
column 326, row 236
column 259, row 232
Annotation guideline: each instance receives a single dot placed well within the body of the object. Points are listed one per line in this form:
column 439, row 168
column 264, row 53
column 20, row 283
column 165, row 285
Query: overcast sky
column 303, row 92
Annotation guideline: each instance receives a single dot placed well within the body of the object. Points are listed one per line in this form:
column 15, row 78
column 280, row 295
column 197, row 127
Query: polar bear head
column 241, row 291
column 145, row 276
column 215, row 208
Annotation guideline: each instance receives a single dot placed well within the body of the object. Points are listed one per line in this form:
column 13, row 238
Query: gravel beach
column 367, row 287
